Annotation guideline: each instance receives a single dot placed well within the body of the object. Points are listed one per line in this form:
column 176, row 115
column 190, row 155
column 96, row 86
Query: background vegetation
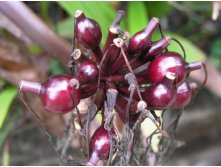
column 23, row 56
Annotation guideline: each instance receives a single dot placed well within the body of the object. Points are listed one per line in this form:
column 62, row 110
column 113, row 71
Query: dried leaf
column 13, row 28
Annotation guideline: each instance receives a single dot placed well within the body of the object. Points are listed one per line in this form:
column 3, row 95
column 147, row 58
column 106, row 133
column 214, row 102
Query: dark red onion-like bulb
column 99, row 148
column 87, row 31
column 170, row 62
column 166, row 62
column 87, row 72
column 184, row 95
column 141, row 40
column 56, row 93
column 160, row 96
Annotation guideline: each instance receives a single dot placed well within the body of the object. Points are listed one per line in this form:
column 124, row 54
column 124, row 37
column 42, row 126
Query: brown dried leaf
column 13, row 28
column 16, row 64
column 55, row 123
column 12, row 56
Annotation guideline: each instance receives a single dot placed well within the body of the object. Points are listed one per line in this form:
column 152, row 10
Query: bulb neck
column 169, row 79
column 93, row 159
column 157, row 47
column 193, row 66
column 154, row 22
column 30, row 87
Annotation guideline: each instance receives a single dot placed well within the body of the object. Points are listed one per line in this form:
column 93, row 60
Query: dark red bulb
column 56, row 93
column 166, row 62
column 87, row 31
column 87, row 72
column 184, row 94
column 170, row 62
column 161, row 95
column 141, row 40
column 99, row 148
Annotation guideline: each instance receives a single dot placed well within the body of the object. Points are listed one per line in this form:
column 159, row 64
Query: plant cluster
column 132, row 75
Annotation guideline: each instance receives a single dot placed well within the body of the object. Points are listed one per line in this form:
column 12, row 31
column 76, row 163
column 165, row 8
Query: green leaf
column 215, row 47
column 4, row 132
column 215, row 61
column 44, row 5
column 6, row 97
column 56, row 68
column 8, row 126
column 193, row 53
column 137, row 17
column 65, row 27
column 157, row 8
column 102, row 12
column 35, row 49
column 5, row 158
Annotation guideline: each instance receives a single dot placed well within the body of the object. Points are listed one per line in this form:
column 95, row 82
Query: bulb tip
column 20, row 85
column 114, row 30
column 171, row 76
column 74, row 83
column 193, row 86
column 168, row 38
column 156, row 19
column 141, row 105
column 76, row 54
column 121, row 12
column 118, row 42
column 89, row 164
column 78, row 13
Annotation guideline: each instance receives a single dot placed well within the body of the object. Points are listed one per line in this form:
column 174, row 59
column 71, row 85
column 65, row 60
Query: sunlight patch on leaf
column 6, row 97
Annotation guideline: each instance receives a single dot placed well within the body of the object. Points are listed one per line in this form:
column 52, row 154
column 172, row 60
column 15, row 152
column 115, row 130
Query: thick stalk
column 114, row 29
column 30, row 87
column 117, row 64
column 37, row 31
column 193, row 66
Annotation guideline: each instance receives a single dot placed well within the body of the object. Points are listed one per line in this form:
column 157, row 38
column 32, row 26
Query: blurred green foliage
column 5, row 158
column 7, row 95
column 44, row 10
column 136, row 19
column 215, row 48
column 157, row 8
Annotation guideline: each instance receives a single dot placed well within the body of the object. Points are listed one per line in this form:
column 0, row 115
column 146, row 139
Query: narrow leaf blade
column 137, row 17
column 193, row 53
column 6, row 98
